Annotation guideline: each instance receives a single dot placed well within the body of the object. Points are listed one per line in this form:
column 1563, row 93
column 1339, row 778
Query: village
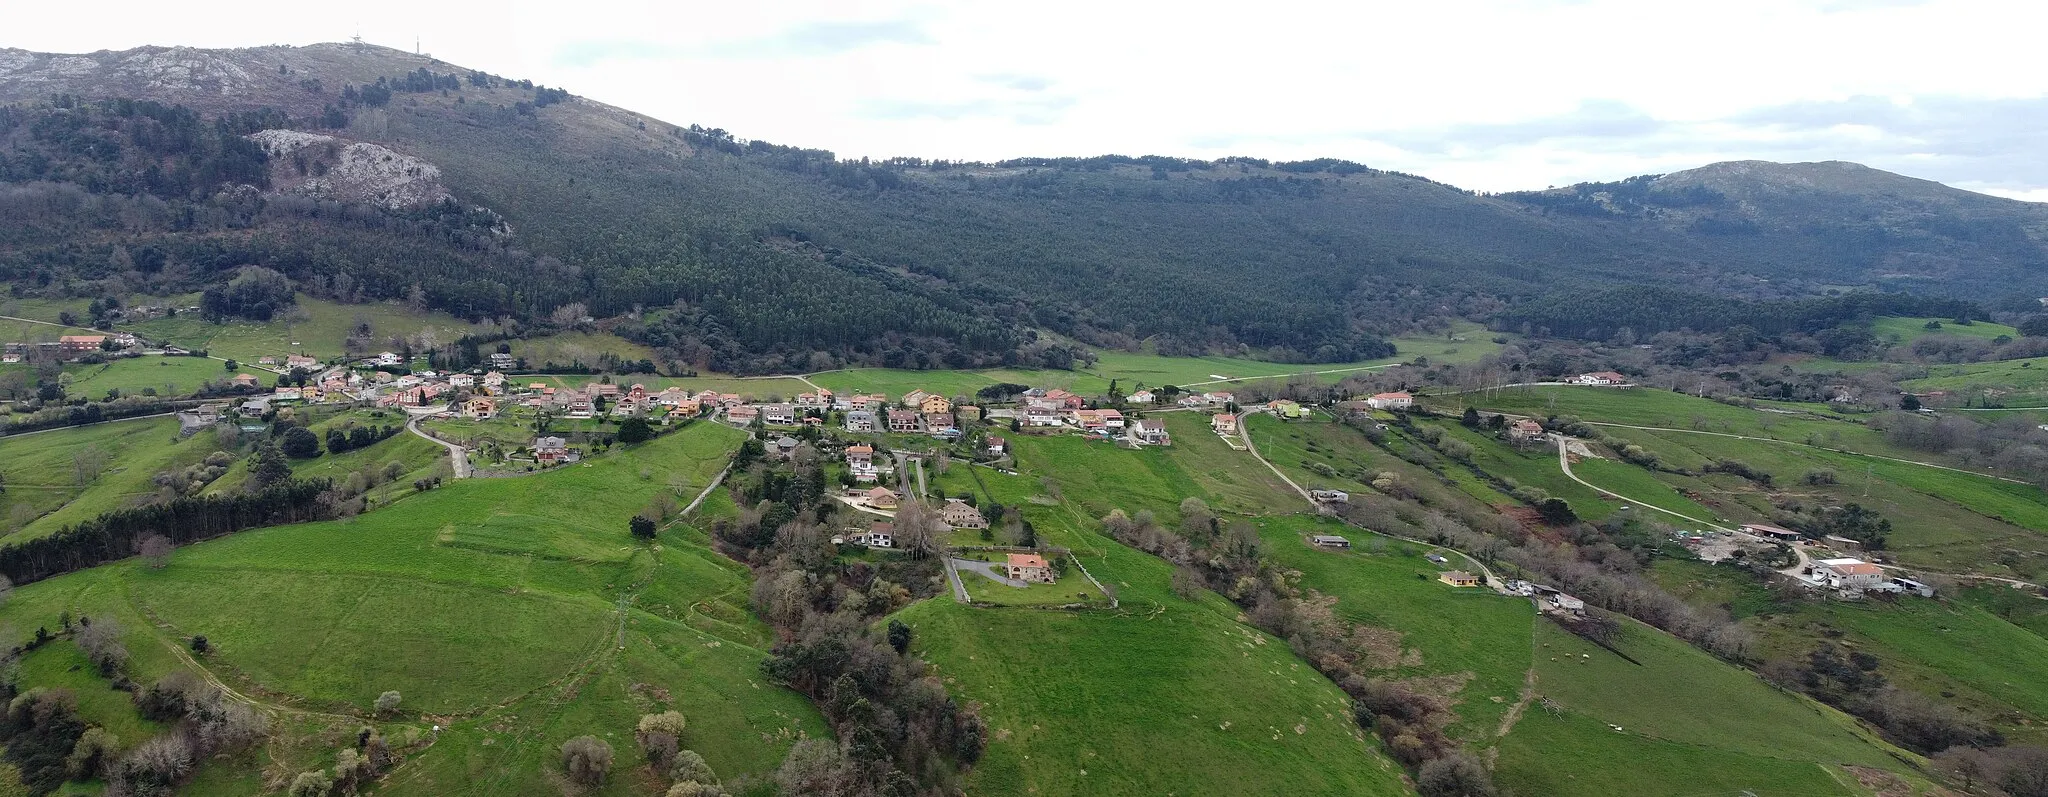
column 870, row 438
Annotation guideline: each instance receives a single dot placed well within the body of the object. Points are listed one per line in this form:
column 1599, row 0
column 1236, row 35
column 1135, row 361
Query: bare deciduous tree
column 156, row 549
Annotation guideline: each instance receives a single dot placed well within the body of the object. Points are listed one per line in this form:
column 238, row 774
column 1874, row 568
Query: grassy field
column 168, row 376
column 1081, row 702
column 1641, row 485
column 51, row 482
column 1678, row 710
column 1573, row 754
column 319, row 333
column 492, row 604
column 1470, row 645
column 1906, row 330
column 2018, row 383
column 1133, row 370
column 785, row 387
column 570, row 348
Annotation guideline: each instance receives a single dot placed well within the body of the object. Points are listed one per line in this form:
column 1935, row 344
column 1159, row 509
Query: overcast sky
column 1486, row 94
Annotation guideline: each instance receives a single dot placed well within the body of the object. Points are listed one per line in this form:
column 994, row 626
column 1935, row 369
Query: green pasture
column 492, row 604
column 51, row 482
column 317, row 328
column 1906, row 330
column 1470, row 643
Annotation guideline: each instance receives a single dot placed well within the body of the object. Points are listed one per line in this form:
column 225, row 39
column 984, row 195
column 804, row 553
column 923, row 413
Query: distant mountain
column 743, row 255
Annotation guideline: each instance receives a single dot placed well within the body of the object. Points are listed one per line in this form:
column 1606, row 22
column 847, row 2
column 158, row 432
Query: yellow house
column 1458, row 578
column 934, row 404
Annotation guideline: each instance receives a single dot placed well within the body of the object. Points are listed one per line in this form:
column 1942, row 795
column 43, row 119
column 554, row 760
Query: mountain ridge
column 753, row 256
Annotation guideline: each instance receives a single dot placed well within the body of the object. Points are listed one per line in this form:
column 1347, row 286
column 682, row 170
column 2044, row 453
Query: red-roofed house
column 1030, row 568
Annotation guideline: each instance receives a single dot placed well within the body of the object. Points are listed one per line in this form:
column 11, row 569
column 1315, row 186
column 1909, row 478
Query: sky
column 1492, row 95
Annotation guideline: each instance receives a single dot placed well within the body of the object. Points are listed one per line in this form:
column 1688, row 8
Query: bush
column 1820, row 476
column 311, row 784
column 689, row 766
column 93, row 751
column 660, row 736
column 387, row 703
column 1454, row 775
column 587, row 759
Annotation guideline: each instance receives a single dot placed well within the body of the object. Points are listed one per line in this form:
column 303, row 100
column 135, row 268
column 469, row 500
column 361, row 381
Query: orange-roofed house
column 1031, row 569
column 1224, row 423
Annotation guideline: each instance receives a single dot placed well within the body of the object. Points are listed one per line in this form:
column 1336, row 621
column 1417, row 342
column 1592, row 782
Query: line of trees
column 119, row 534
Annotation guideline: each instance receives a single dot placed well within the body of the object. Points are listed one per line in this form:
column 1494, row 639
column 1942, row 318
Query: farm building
column 1329, row 541
column 959, row 515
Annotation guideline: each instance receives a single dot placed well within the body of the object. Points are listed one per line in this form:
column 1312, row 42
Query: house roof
column 860, row 449
column 1026, row 560
column 1399, row 395
column 1226, row 417
column 1327, row 538
column 879, row 492
column 1857, row 569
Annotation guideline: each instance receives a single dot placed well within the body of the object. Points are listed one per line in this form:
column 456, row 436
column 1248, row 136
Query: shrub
column 93, row 751
column 1454, row 775
column 387, row 703
column 101, row 641
column 689, row 766
column 312, row 784
column 587, row 759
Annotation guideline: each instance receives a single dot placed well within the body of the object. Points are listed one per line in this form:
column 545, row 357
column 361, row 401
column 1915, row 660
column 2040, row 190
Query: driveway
column 986, row 569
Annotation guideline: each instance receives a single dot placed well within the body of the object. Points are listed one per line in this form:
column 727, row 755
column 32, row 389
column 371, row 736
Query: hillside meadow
column 64, row 476
column 317, row 328
column 492, row 605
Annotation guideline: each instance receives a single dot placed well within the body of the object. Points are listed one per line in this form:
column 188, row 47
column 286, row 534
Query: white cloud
column 1487, row 94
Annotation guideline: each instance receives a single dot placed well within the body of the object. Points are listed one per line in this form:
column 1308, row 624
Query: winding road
column 456, row 454
column 1244, row 434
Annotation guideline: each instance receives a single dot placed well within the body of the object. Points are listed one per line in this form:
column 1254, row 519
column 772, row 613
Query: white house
column 1391, row 401
column 1850, row 574
column 1599, row 378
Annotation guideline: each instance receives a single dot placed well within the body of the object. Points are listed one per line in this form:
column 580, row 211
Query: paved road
column 455, row 453
column 720, row 479
column 953, row 576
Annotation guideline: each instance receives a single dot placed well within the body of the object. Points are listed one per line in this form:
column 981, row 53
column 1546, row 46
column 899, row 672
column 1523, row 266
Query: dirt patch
column 1886, row 784
column 1380, row 647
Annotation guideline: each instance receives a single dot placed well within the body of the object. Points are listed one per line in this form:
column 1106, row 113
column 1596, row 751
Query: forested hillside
column 123, row 173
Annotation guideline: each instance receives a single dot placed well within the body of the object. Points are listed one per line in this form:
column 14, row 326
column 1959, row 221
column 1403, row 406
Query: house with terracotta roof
column 1525, row 430
column 80, row 344
column 1850, row 574
column 1223, row 423
column 904, row 421
column 1458, row 578
column 742, row 415
column 1391, row 401
column 996, row 446
column 245, row 380
column 1030, row 568
column 934, row 403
